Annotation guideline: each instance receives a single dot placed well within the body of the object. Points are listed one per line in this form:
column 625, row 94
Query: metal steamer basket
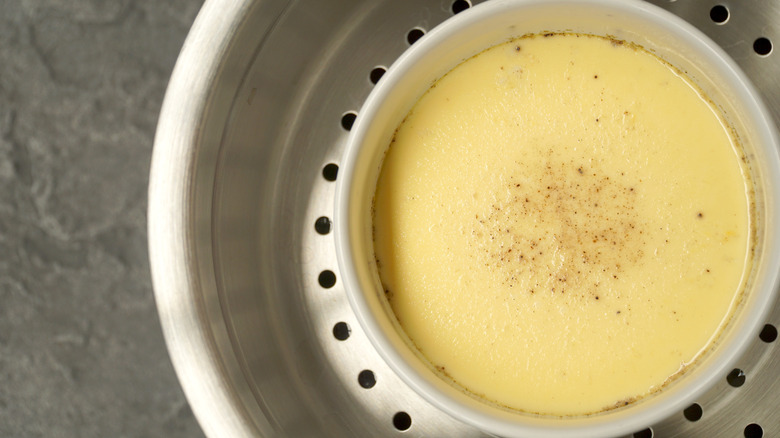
column 251, row 134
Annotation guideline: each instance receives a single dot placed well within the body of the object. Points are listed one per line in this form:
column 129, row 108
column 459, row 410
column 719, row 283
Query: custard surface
column 562, row 224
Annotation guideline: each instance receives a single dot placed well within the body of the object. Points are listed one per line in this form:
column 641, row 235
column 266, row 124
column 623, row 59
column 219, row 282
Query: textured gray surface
column 81, row 351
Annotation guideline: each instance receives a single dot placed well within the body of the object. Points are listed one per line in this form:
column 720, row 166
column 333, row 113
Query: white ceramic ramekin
column 489, row 24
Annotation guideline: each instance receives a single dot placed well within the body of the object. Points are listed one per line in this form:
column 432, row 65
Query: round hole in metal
column 646, row 433
column 719, row 14
column 341, row 331
column 768, row 333
column 762, row 46
column 330, row 171
column 460, row 6
column 367, row 379
column 376, row 74
column 693, row 412
column 402, row 421
column 348, row 119
column 322, row 225
column 736, row 378
column 327, row 279
column 414, row 35
column 753, row 430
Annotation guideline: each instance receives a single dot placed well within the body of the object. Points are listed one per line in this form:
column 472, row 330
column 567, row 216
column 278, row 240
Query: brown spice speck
column 563, row 197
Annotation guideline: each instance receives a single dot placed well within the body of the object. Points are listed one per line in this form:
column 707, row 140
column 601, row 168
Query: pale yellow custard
column 562, row 224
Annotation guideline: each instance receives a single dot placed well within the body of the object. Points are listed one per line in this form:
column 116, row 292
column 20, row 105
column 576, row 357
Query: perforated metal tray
column 258, row 324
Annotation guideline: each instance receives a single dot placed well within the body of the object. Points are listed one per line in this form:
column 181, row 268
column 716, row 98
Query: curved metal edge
column 174, row 265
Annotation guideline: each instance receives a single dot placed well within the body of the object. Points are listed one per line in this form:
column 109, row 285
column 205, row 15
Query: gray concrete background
column 81, row 351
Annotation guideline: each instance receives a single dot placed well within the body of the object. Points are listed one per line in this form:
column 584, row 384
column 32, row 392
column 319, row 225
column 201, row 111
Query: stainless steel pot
column 251, row 132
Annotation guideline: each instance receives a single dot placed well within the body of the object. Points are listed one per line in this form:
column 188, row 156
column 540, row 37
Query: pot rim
column 177, row 279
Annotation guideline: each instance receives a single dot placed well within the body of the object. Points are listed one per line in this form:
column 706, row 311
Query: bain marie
column 563, row 224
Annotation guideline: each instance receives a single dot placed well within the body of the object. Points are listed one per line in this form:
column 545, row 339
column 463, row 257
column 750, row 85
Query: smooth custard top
column 562, row 224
